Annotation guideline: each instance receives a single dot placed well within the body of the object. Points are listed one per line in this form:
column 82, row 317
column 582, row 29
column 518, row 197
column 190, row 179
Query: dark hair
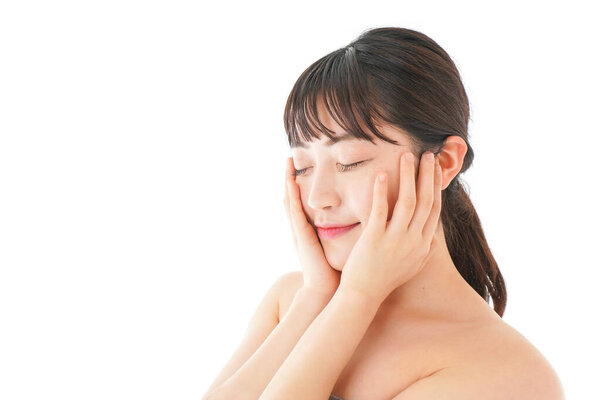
column 404, row 78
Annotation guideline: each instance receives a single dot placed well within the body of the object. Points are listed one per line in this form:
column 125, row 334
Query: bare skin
column 431, row 334
column 399, row 349
column 432, row 322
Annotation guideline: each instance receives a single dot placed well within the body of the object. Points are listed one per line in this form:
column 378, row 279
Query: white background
column 141, row 178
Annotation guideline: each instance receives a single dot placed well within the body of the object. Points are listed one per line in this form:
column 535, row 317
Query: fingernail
column 381, row 177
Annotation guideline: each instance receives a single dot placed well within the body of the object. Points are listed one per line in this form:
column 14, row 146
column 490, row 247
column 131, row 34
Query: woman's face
column 336, row 195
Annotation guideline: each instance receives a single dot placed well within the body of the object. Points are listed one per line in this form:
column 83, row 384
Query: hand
column 318, row 274
column 388, row 254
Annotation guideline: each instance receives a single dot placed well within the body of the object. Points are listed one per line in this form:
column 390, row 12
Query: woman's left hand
column 389, row 253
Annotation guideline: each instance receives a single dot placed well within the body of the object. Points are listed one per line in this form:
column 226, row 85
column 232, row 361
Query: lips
column 332, row 231
column 328, row 226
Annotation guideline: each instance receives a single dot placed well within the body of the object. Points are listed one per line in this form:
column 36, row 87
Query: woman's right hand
column 319, row 276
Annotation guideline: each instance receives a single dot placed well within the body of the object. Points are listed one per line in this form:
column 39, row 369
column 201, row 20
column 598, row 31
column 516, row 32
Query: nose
column 323, row 192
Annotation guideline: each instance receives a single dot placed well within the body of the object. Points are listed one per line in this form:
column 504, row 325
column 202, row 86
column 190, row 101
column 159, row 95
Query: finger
column 434, row 216
column 289, row 169
column 285, row 176
column 294, row 200
column 379, row 208
column 287, row 211
column 424, row 192
column 289, row 175
column 286, row 198
column 297, row 215
column 405, row 205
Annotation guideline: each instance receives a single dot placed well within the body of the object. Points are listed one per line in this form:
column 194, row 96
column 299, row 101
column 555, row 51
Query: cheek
column 363, row 197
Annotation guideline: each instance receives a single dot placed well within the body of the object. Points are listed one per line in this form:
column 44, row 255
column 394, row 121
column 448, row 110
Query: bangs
column 337, row 82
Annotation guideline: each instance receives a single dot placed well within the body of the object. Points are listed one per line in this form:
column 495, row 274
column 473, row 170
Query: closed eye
column 344, row 167
column 350, row 166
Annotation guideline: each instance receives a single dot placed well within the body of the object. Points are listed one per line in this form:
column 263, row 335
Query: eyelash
column 344, row 168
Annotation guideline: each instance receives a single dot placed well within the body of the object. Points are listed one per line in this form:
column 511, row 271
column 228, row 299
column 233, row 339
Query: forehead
column 340, row 135
column 345, row 137
column 402, row 140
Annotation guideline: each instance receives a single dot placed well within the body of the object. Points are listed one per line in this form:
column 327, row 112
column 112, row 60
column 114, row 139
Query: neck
column 438, row 291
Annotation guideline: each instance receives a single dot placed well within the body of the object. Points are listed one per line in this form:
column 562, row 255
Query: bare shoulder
column 490, row 360
column 290, row 283
column 512, row 365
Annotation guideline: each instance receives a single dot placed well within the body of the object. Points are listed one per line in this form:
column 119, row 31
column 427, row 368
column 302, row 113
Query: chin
column 337, row 267
column 336, row 261
column 338, row 251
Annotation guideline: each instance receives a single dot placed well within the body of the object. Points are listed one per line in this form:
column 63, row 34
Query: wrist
column 361, row 295
column 315, row 295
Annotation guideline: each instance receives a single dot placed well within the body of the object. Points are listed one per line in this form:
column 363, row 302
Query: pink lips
column 330, row 233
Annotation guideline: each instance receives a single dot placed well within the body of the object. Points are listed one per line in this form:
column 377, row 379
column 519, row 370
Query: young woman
column 392, row 299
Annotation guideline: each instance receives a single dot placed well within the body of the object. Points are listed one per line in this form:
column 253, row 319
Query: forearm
column 314, row 365
column 252, row 377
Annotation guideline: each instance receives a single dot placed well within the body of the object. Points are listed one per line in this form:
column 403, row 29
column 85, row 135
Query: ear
column 451, row 158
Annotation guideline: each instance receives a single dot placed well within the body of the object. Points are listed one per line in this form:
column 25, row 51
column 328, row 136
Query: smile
column 330, row 233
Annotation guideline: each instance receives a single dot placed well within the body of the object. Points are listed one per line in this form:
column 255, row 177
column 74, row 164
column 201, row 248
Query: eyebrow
column 329, row 142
